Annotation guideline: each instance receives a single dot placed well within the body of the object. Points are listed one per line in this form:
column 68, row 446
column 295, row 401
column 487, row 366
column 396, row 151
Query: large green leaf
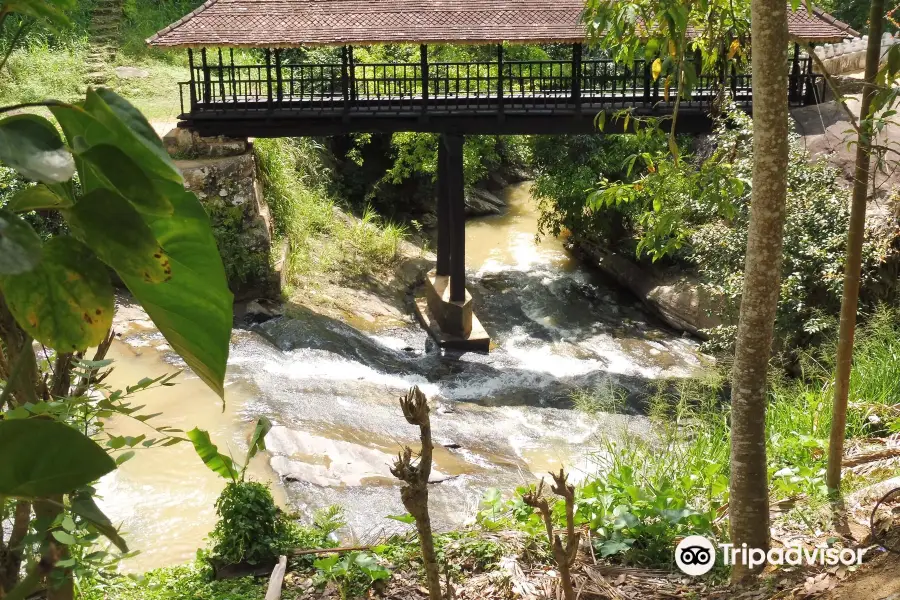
column 131, row 133
column 113, row 229
column 117, row 170
column 257, row 440
column 37, row 197
column 66, row 301
column 20, row 246
column 49, row 11
column 83, row 505
column 209, row 454
column 43, row 457
column 31, row 145
column 193, row 310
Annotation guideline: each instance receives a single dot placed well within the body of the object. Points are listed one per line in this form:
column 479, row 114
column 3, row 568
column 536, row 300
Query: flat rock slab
column 131, row 73
column 478, row 340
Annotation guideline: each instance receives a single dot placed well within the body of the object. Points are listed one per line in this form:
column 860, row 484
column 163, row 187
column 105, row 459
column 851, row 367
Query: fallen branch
column 305, row 552
column 868, row 457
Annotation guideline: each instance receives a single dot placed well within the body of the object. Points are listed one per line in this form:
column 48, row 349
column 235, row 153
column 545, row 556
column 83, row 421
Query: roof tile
column 286, row 23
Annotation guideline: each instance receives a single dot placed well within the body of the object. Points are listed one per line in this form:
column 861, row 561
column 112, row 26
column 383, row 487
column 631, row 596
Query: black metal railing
column 554, row 85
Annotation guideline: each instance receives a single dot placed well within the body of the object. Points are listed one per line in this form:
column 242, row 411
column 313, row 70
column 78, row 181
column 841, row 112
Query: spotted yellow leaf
column 66, row 302
column 734, row 49
column 656, row 69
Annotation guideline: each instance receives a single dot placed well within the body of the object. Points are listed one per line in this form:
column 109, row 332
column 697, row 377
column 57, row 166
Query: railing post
column 352, row 67
column 345, row 78
column 221, row 77
column 278, row 82
column 648, row 79
column 233, row 79
column 500, row 77
column 207, row 85
column 423, row 66
column 811, row 92
column 193, row 82
column 794, row 85
column 576, row 75
column 269, row 75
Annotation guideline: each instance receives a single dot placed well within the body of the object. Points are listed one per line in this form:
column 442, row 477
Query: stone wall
column 222, row 172
column 849, row 56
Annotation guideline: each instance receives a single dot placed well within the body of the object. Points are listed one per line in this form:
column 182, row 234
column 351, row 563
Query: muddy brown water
column 499, row 420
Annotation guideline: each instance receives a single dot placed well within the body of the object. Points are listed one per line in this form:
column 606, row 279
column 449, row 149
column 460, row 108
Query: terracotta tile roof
column 286, row 23
column 818, row 26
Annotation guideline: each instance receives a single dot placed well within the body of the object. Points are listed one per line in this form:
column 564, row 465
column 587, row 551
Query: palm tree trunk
column 853, row 264
column 749, row 503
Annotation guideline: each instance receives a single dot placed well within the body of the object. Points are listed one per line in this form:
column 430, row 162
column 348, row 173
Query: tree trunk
column 46, row 511
column 853, row 264
column 749, row 503
column 11, row 555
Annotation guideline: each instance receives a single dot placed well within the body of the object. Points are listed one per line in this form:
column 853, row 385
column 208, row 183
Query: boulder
column 496, row 182
column 480, row 202
column 677, row 299
column 184, row 143
column 262, row 310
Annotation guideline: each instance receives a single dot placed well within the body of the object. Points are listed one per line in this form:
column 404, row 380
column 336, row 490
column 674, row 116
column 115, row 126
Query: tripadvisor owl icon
column 695, row 555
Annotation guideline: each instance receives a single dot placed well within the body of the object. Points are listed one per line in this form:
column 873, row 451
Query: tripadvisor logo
column 696, row 555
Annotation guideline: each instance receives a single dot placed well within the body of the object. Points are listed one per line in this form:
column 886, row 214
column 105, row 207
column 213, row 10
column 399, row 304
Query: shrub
column 249, row 527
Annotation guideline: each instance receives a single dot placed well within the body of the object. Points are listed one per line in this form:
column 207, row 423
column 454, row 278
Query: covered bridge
column 277, row 96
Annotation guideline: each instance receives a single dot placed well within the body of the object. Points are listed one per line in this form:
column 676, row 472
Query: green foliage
column 192, row 581
column 45, row 457
column 569, row 167
column 322, row 243
column 814, row 246
column 249, row 527
column 252, row 529
column 694, row 213
column 353, row 573
column 31, row 145
column 853, row 12
column 461, row 552
column 224, row 465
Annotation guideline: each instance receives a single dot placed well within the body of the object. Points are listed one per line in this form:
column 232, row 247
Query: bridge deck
column 276, row 99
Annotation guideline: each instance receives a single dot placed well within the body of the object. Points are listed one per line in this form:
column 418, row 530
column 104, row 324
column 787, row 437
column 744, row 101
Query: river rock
column 678, row 299
column 262, row 310
column 496, row 182
column 480, row 202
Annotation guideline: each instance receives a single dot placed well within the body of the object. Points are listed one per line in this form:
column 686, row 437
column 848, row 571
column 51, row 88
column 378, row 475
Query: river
column 499, row 420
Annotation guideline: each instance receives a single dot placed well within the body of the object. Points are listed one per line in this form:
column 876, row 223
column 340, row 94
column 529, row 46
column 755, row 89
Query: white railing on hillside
column 849, row 56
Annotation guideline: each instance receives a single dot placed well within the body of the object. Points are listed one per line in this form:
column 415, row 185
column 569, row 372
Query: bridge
column 278, row 95
column 281, row 98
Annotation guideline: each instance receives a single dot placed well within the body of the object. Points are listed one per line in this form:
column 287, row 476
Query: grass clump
column 323, row 241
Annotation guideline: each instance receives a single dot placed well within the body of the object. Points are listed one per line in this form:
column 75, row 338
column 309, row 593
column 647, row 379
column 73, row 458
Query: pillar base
column 452, row 324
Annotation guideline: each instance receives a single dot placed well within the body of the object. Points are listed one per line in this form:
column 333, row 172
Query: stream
column 499, row 420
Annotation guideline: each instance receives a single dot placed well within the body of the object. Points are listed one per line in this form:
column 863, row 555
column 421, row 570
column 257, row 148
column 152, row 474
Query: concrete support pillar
column 456, row 191
column 443, row 213
column 446, row 308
